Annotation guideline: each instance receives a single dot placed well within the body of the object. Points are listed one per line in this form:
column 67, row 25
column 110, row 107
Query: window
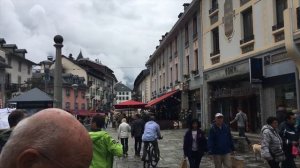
column 19, row 79
column 9, row 61
column 186, row 30
column 187, row 58
column 83, row 106
column 176, row 72
column 67, row 92
column 195, row 27
column 175, row 46
column 215, row 42
column 196, row 68
column 83, row 94
column 214, row 4
column 29, row 69
column 281, row 5
column 76, row 106
column 20, row 66
column 171, row 75
column 127, row 98
column 248, row 25
column 67, row 105
column 164, row 77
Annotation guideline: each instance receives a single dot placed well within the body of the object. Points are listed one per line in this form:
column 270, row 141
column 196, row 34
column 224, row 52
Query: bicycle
column 151, row 158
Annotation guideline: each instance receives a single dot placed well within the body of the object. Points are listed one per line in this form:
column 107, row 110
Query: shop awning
column 130, row 104
column 161, row 98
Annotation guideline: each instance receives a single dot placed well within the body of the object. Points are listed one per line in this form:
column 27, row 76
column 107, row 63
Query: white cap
column 219, row 115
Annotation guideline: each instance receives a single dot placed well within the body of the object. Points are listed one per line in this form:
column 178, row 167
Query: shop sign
column 256, row 70
column 289, row 95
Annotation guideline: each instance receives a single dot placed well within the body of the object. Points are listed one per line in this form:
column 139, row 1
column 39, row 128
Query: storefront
column 195, row 103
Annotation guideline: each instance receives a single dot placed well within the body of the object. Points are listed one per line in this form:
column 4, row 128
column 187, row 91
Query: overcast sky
column 121, row 33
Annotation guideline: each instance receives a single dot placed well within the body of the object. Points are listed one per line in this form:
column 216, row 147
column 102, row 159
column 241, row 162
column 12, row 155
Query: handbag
column 237, row 162
column 184, row 164
column 295, row 151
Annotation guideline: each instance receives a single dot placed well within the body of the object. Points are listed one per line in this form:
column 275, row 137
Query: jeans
column 242, row 134
column 273, row 164
column 124, row 142
column 137, row 145
column 222, row 160
column 195, row 159
column 155, row 146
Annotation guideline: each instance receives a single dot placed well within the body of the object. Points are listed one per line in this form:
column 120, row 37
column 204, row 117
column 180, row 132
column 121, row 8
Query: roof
column 161, row 98
column 120, row 87
column 2, row 41
column 21, row 51
column 33, row 95
column 80, row 56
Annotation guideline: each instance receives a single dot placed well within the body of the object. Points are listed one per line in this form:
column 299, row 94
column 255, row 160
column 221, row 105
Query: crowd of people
column 54, row 138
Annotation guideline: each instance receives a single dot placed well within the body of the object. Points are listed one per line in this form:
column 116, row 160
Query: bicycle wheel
column 147, row 161
column 154, row 157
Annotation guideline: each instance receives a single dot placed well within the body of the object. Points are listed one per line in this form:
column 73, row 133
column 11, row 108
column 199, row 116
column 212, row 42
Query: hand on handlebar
column 160, row 138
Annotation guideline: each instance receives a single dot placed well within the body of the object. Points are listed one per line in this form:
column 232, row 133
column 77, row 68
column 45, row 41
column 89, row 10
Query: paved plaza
column 172, row 154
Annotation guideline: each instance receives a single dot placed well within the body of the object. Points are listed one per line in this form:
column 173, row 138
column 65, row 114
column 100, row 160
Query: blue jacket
column 220, row 140
column 151, row 131
column 188, row 142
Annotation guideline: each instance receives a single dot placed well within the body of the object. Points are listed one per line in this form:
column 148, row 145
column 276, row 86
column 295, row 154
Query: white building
column 142, row 84
column 123, row 93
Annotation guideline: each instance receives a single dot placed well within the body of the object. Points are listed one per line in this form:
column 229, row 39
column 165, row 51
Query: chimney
column 71, row 56
column 166, row 34
column 50, row 58
column 156, row 47
column 185, row 6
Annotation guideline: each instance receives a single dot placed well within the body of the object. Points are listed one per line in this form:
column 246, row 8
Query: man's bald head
column 49, row 138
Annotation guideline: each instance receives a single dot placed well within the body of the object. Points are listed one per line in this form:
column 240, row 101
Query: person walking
column 123, row 134
column 220, row 144
column 194, row 144
column 242, row 122
column 104, row 146
column 137, row 130
column 271, row 143
column 290, row 138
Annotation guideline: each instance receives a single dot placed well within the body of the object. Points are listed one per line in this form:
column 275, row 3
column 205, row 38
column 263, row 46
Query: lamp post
column 46, row 65
column 75, row 90
column 58, row 71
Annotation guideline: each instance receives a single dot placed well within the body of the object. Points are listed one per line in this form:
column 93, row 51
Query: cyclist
column 151, row 134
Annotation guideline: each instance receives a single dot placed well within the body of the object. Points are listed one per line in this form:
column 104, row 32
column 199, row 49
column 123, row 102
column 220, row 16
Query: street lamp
column 75, row 89
column 46, row 65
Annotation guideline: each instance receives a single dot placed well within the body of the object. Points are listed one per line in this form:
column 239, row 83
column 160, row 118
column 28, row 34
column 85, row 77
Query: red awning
column 86, row 113
column 130, row 104
column 161, row 98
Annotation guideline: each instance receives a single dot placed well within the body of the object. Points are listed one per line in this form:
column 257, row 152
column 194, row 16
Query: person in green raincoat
column 104, row 146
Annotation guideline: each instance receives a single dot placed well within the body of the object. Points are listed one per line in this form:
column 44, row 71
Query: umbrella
column 130, row 104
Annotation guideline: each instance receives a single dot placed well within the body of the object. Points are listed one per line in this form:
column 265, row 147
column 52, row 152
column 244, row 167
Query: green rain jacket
column 104, row 150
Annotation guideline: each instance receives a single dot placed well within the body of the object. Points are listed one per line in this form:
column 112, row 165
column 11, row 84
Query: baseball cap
column 219, row 115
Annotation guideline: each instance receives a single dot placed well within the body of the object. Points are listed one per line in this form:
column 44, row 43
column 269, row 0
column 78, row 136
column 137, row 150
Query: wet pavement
column 172, row 154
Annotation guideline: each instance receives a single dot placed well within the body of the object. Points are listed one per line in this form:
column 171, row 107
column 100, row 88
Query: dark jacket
column 188, row 142
column 4, row 136
column 220, row 140
column 137, row 127
column 288, row 134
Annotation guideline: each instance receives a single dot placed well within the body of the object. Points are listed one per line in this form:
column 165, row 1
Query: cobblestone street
column 171, row 153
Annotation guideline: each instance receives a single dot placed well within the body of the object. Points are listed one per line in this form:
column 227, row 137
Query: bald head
column 51, row 138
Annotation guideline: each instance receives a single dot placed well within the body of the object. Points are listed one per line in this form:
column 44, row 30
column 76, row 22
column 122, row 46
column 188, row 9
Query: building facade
column 123, row 93
column 20, row 71
column 141, row 90
column 176, row 64
column 245, row 61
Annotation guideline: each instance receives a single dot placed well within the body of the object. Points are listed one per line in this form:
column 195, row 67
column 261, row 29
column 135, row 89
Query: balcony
column 214, row 53
column 213, row 9
column 247, row 39
column 277, row 26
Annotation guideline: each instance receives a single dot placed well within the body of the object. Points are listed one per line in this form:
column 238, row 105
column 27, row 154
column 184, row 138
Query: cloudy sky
column 121, row 33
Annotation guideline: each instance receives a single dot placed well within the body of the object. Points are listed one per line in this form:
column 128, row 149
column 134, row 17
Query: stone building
column 141, row 90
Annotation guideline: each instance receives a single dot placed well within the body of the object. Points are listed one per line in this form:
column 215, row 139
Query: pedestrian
column 220, row 144
column 13, row 119
column 271, row 143
column 194, row 144
column 281, row 114
column 137, row 130
column 104, row 146
column 45, row 140
column 290, row 138
column 242, row 123
column 123, row 134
